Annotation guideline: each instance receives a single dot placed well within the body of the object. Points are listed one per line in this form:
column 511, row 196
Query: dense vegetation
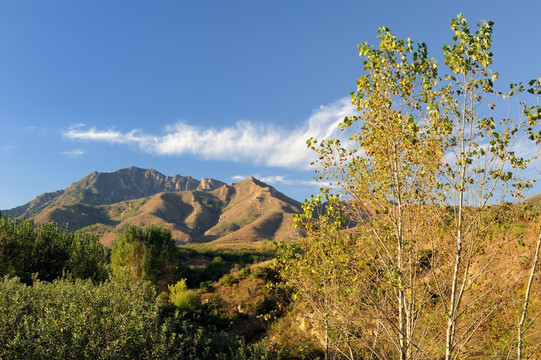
column 60, row 298
column 49, row 252
column 117, row 319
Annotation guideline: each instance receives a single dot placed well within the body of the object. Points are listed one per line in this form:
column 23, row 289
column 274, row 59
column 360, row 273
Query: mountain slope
column 254, row 210
column 195, row 211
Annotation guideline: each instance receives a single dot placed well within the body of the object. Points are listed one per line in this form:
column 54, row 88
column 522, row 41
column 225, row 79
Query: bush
column 117, row 319
column 206, row 286
column 182, row 298
column 77, row 320
column 245, row 272
column 228, row 280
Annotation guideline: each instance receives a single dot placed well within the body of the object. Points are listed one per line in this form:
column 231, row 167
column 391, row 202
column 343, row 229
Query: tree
column 418, row 168
column 49, row 252
column 146, row 254
column 322, row 271
column 533, row 113
column 481, row 167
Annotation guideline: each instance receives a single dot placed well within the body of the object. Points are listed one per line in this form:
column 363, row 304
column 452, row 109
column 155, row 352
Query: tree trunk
column 520, row 330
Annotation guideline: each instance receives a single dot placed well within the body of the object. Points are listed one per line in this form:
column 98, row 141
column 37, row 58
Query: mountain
column 109, row 188
column 195, row 211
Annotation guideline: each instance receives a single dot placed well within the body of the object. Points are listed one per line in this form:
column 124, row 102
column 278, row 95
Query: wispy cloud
column 7, row 150
column 112, row 136
column 245, row 141
column 281, row 179
column 39, row 130
column 75, row 153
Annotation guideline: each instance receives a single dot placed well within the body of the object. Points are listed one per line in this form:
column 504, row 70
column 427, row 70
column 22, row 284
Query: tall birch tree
column 417, row 169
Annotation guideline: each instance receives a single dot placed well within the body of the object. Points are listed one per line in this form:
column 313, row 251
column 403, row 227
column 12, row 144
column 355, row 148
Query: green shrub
column 78, row 320
column 117, row 319
column 207, row 286
column 245, row 272
column 263, row 272
column 182, row 297
column 228, row 280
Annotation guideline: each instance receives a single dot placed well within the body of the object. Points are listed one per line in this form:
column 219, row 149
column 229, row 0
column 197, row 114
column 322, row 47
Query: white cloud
column 245, row 141
column 238, row 178
column 281, row 179
column 74, row 153
column 79, row 132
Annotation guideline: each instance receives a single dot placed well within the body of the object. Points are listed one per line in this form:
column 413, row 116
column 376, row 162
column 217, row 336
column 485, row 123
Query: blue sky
column 221, row 89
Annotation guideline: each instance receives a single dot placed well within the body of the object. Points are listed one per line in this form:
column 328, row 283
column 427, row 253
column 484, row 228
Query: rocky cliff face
column 109, row 188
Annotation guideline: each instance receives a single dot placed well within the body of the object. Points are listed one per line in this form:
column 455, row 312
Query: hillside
column 194, row 211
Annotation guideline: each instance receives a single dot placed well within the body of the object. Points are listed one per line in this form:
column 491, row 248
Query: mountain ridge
column 105, row 188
